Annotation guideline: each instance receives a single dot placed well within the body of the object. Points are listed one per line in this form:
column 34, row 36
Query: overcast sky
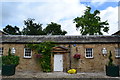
column 59, row 11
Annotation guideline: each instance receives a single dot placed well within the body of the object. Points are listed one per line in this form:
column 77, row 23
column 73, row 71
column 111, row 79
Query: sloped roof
column 117, row 33
column 59, row 39
column 4, row 33
column 60, row 49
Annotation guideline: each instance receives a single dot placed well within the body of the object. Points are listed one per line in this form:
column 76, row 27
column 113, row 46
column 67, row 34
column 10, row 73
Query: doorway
column 58, row 62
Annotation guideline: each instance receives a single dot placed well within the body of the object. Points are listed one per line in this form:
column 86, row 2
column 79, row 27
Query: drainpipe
column 118, row 49
column 70, row 56
column 119, row 28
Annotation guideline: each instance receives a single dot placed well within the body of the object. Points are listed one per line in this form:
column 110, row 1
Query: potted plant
column 111, row 69
column 9, row 63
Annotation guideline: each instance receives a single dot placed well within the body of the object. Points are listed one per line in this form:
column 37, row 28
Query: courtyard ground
column 29, row 74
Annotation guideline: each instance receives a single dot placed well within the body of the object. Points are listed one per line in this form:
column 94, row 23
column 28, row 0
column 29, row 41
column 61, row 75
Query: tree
column 54, row 29
column 12, row 30
column 32, row 28
column 90, row 23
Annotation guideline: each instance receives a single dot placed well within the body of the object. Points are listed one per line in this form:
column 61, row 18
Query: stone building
column 94, row 51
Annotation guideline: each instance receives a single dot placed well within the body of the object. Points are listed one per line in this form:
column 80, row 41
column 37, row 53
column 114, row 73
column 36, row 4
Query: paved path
column 28, row 74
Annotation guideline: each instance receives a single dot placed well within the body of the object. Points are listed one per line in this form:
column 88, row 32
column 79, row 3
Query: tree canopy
column 91, row 24
column 54, row 29
column 12, row 30
column 32, row 28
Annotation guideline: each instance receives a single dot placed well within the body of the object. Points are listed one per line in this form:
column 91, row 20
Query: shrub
column 10, row 59
column 110, row 63
column 43, row 54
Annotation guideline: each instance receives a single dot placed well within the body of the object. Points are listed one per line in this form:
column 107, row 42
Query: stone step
column 61, row 79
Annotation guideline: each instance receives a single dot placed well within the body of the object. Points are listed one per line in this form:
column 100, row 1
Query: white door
column 58, row 62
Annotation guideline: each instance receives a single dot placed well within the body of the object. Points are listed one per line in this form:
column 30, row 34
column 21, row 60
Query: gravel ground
column 28, row 74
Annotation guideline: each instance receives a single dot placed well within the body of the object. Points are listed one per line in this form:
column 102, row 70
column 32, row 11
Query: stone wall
column 96, row 64
column 25, row 64
column 0, row 33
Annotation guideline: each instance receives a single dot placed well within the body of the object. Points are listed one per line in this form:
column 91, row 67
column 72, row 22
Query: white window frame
column 85, row 53
column 25, row 53
column 117, row 52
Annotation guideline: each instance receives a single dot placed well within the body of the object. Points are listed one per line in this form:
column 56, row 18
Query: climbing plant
column 110, row 63
column 43, row 54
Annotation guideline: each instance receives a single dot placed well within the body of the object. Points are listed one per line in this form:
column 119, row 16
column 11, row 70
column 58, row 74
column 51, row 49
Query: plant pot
column 8, row 70
column 112, row 71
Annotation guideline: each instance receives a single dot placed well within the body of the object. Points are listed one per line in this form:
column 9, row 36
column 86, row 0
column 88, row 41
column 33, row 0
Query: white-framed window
column 27, row 53
column 1, row 51
column 117, row 52
column 89, row 52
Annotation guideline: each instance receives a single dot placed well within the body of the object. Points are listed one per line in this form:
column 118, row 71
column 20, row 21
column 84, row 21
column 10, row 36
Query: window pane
column 1, row 51
column 27, row 53
column 117, row 52
column 89, row 52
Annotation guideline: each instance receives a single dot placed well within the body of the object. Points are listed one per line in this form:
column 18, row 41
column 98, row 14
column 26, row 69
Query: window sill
column 89, row 57
column 27, row 57
column 117, row 57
